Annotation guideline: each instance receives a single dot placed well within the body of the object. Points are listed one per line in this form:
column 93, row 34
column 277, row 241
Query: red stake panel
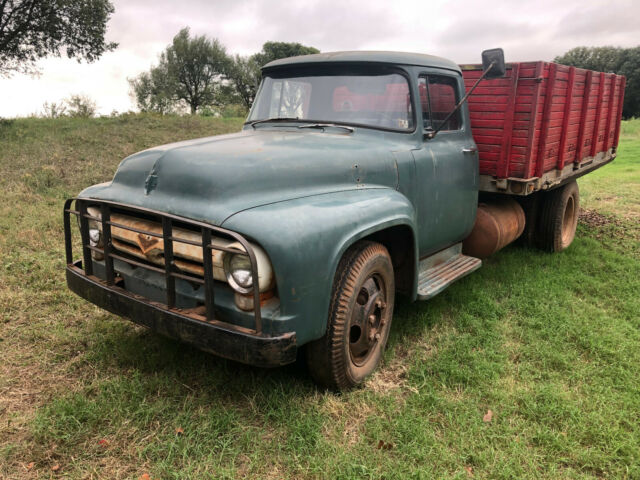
column 623, row 83
column 533, row 121
column 565, row 120
column 583, row 117
column 596, row 125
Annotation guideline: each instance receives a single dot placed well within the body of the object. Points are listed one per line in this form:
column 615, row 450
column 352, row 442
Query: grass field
column 549, row 343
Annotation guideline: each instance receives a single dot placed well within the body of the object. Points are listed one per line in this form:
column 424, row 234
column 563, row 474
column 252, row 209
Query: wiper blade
column 274, row 119
column 310, row 123
column 325, row 125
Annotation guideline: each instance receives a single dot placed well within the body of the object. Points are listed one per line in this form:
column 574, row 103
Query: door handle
column 470, row 150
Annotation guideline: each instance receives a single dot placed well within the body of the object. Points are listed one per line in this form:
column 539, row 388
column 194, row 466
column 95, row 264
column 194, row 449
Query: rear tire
column 558, row 218
column 359, row 319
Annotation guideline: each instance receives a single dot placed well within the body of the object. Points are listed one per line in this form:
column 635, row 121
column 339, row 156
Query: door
column 446, row 166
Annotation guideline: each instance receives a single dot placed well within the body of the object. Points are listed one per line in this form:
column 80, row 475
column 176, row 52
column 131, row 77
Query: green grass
column 616, row 189
column 549, row 343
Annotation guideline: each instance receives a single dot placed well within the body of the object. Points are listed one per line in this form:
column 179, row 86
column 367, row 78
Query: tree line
column 622, row 61
column 196, row 72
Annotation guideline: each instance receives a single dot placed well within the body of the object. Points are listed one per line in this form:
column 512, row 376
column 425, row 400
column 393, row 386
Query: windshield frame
column 325, row 69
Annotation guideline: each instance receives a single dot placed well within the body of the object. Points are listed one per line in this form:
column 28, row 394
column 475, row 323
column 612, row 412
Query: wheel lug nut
column 372, row 319
column 377, row 336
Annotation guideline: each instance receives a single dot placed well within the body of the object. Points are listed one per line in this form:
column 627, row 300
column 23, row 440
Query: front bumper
column 235, row 343
column 116, row 282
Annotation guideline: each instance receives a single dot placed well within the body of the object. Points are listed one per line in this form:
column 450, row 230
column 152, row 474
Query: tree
column 190, row 70
column 196, row 67
column 622, row 61
column 275, row 50
column 77, row 105
column 33, row 29
column 630, row 68
column 54, row 109
column 153, row 91
column 244, row 75
column 245, row 72
column 602, row 59
column 80, row 106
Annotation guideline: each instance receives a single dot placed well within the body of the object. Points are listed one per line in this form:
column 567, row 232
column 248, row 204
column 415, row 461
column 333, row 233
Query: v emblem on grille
column 148, row 243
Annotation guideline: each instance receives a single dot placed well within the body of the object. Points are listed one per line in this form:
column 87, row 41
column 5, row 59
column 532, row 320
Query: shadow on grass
column 118, row 347
column 414, row 319
column 121, row 347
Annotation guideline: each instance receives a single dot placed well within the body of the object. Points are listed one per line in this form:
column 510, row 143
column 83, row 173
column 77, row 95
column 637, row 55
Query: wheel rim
column 568, row 221
column 368, row 318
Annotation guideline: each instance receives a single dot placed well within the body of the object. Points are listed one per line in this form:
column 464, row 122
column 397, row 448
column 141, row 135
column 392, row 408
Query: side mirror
column 493, row 63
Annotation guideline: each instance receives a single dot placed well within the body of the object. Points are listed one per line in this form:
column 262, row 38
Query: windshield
column 378, row 99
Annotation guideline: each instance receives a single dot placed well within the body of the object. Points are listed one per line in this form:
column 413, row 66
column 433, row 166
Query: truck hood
column 212, row 178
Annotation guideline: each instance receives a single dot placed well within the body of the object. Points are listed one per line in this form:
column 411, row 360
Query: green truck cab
column 354, row 179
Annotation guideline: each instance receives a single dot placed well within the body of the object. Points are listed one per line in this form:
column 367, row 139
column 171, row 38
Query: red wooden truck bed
column 530, row 139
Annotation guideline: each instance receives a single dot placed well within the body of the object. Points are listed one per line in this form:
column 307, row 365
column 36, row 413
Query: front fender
column 305, row 239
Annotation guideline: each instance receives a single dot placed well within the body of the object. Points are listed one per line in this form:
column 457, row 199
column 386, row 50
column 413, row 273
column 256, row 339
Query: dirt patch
column 594, row 219
column 608, row 226
column 393, row 375
column 388, row 378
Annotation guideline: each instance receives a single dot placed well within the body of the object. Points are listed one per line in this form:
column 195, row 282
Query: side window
column 438, row 97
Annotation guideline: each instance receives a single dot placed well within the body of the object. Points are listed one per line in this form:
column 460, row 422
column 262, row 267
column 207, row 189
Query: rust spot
column 245, row 302
column 199, row 310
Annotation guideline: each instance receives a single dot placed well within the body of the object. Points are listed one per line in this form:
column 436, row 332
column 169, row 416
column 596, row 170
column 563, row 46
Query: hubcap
column 367, row 319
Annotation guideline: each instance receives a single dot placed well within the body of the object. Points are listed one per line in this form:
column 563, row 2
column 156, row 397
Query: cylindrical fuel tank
column 498, row 223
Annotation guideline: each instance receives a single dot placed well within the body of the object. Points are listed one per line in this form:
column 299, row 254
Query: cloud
column 459, row 29
column 332, row 24
column 476, row 32
column 617, row 20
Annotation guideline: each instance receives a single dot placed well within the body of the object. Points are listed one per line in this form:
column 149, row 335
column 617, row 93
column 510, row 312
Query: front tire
column 359, row 319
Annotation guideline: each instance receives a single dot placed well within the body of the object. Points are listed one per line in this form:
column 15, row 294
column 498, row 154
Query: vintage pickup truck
column 358, row 175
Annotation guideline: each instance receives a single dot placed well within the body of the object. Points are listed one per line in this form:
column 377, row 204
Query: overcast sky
column 459, row 30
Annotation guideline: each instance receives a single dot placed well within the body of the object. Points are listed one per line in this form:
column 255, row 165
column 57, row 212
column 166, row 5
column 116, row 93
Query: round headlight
column 95, row 232
column 94, row 236
column 94, row 226
column 237, row 268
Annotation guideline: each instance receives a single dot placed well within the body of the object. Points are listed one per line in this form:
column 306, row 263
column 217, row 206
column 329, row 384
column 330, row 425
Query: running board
column 439, row 271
